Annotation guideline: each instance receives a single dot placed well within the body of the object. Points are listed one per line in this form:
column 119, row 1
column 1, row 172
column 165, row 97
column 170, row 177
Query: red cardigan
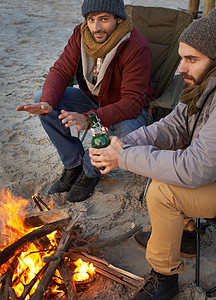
column 126, row 87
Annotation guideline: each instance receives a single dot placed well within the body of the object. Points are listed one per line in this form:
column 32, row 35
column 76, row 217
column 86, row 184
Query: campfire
column 46, row 255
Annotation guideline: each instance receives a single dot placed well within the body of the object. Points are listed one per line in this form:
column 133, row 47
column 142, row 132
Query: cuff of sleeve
column 122, row 157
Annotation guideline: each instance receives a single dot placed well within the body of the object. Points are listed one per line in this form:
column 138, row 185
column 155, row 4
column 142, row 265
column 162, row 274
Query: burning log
column 38, row 201
column 28, row 287
column 8, row 252
column 45, row 217
column 7, row 282
column 12, row 294
column 104, row 268
column 72, row 241
column 6, row 279
column 63, row 247
column 68, row 280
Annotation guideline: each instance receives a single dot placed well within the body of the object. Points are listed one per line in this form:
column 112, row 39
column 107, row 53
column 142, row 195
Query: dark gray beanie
column 115, row 7
column 201, row 34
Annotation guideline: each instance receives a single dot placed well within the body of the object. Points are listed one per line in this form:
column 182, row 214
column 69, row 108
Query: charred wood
column 104, row 268
column 63, row 246
column 10, row 251
column 68, row 280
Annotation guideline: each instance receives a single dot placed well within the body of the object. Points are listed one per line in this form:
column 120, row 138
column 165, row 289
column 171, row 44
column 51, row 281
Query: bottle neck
column 96, row 130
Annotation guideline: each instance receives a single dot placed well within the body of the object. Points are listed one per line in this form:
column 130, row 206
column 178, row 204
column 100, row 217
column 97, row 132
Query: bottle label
column 95, row 131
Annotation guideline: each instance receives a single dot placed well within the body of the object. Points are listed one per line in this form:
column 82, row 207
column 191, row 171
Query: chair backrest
column 162, row 28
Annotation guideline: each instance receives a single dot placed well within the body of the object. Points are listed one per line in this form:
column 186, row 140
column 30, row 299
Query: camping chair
column 201, row 230
column 162, row 28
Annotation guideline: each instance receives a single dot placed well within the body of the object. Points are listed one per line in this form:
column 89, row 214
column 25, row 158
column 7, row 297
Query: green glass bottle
column 100, row 138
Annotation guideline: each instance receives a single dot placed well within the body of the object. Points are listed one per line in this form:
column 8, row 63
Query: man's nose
column 183, row 67
column 97, row 25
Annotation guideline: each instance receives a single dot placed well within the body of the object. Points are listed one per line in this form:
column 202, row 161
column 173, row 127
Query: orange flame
column 83, row 269
column 12, row 212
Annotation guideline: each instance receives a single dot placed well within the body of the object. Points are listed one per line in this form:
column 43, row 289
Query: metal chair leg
column 197, row 276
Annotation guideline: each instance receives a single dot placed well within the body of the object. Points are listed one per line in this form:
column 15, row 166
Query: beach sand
column 33, row 35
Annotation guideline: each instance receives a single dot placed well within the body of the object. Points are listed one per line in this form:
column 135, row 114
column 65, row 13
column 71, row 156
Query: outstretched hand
column 36, row 108
column 106, row 158
column 74, row 119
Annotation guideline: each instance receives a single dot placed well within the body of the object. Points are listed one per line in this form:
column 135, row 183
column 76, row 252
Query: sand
column 33, row 35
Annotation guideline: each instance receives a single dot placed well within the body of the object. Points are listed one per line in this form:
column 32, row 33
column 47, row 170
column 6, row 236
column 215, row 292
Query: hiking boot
column 66, row 180
column 158, row 287
column 83, row 188
column 188, row 242
column 142, row 238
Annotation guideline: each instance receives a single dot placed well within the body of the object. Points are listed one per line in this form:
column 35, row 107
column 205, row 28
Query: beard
column 107, row 34
column 200, row 78
column 187, row 84
column 100, row 31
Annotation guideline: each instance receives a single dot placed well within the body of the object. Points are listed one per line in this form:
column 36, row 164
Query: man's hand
column 74, row 119
column 106, row 157
column 36, row 108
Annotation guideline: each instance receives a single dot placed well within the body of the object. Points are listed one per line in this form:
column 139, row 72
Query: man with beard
column 179, row 154
column 112, row 63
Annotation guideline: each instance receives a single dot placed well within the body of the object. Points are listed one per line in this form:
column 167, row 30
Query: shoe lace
column 151, row 284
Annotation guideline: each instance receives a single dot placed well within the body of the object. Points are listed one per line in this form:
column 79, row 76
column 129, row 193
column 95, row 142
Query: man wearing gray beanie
column 179, row 154
column 112, row 63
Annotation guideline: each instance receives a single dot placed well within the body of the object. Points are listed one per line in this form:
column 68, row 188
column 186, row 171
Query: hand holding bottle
column 100, row 138
column 106, row 157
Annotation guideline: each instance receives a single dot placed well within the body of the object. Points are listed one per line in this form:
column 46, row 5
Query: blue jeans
column 70, row 148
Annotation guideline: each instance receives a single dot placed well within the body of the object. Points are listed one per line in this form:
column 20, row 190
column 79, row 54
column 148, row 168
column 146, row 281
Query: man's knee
column 37, row 97
column 156, row 193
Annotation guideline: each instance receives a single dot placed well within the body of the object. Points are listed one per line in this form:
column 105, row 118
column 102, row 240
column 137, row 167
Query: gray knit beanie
column 201, row 34
column 115, row 7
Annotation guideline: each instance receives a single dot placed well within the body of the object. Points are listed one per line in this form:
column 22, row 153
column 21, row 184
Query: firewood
column 12, row 294
column 62, row 247
column 28, row 287
column 6, row 279
column 8, row 252
column 104, row 268
column 39, row 202
column 68, row 281
column 14, row 230
column 45, row 217
column 113, row 267
column 6, row 284
column 104, row 243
